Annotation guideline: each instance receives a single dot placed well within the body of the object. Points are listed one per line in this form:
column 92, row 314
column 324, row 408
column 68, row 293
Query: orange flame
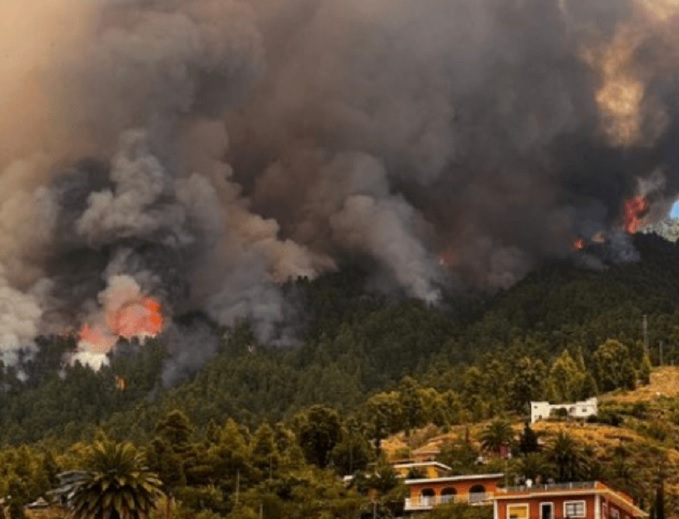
column 125, row 312
column 137, row 318
column 121, row 383
column 635, row 209
column 99, row 340
column 141, row 318
column 578, row 244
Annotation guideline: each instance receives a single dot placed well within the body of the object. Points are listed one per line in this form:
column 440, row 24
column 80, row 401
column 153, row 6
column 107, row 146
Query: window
column 546, row 511
column 477, row 493
column 574, row 509
column 448, row 494
column 517, row 511
column 427, row 496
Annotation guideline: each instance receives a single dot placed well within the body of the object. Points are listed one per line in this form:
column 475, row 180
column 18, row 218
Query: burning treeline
column 193, row 154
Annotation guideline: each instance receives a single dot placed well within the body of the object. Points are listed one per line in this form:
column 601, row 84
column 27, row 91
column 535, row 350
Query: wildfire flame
column 635, row 209
column 121, row 383
column 578, row 244
column 98, row 340
column 126, row 313
column 136, row 319
column 140, row 318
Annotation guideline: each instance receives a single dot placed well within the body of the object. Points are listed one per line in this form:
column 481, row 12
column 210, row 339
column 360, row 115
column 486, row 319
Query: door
column 546, row 511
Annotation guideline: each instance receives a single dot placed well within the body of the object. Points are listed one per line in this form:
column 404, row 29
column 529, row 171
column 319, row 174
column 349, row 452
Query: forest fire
column 140, row 318
column 635, row 209
column 199, row 164
column 98, row 340
column 121, row 383
column 126, row 313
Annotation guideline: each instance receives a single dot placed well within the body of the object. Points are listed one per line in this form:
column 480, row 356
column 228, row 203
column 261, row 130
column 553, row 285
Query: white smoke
column 129, row 209
column 19, row 315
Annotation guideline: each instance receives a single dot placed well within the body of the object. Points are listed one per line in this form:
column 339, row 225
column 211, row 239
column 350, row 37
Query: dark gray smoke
column 488, row 120
column 189, row 347
column 212, row 149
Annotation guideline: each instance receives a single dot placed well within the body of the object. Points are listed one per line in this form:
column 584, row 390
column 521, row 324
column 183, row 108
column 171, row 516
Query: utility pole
column 644, row 327
column 237, row 486
column 672, row 354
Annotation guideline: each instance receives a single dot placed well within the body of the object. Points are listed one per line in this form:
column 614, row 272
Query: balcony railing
column 429, row 502
column 580, row 485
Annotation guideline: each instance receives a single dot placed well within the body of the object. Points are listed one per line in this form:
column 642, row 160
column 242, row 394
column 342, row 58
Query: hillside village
column 613, row 465
column 641, row 446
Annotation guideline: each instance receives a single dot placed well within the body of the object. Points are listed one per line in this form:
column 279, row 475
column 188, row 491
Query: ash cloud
column 213, row 149
column 189, row 347
column 498, row 125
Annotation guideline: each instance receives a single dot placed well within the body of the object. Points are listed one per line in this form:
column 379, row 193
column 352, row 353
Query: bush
column 639, row 410
column 656, row 430
column 607, row 417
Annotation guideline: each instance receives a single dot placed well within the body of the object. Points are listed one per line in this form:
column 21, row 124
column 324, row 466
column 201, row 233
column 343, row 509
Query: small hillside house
column 584, row 409
column 591, row 500
column 426, row 493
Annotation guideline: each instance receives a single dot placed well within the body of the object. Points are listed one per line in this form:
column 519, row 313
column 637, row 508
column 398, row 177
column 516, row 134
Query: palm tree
column 534, row 466
column 115, row 484
column 499, row 433
column 567, row 457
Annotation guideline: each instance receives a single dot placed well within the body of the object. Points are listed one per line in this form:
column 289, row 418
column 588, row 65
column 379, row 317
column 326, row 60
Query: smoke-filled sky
column 201, row 152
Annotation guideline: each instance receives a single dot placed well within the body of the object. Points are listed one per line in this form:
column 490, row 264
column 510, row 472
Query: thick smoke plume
column 208, row 150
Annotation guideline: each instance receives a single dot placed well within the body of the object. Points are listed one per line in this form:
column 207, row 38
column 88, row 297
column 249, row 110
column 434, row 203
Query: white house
column 541, row 410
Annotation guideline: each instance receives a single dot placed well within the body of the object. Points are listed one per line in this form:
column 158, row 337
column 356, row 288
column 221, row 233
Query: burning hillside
column 201, row 152
column 635, row 209
column 125, row 313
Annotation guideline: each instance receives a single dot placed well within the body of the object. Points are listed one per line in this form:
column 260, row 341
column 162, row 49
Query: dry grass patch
column 664, row 383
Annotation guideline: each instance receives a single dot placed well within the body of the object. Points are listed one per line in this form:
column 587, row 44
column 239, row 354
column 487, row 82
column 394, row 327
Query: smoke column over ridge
column 205, row 151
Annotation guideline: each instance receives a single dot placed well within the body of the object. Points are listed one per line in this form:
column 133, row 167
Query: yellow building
column 422, row 469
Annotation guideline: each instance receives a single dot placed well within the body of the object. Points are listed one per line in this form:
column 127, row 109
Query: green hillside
column 353, row 344
column 368, row 368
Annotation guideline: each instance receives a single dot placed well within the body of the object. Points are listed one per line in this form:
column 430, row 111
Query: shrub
column 607, row 417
